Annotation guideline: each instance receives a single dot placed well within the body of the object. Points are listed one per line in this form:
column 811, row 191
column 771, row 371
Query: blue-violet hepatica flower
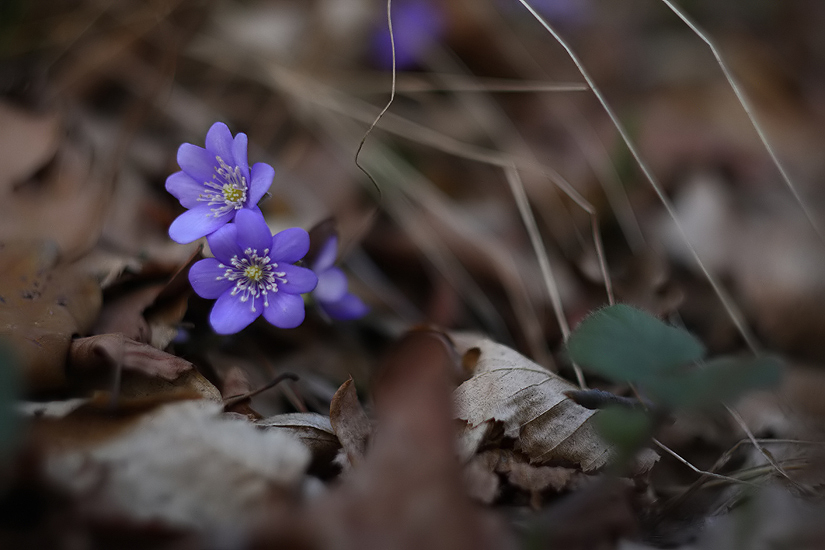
column 331, row 293
column 215, row 183
column 252, row 274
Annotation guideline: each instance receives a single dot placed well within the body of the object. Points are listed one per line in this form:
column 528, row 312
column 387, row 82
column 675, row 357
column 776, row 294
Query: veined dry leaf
column 529, row 402
column 42, row 306
column 186, row 465
column 350, row 422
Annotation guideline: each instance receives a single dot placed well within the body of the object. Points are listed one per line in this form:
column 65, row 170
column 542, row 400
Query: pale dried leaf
column 186, row 465
column 312, row 429
column 350, row 422
column 534, row 479
column 51, row 409
column 529, row 402
column 480, row 479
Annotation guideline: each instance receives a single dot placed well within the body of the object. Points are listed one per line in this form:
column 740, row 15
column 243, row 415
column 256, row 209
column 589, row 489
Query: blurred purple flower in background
column 215, row 183
column 252, row 274
column 416, row 26
column 331, row 293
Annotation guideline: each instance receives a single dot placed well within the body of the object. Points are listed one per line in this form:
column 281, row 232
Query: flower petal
column 196, row 223
column 326, row 256
column 203, row 276
column 219, row 143
column 239, row 154
column 252, row 230
column 285, row 310
column 298, row 279
column 224, row 243
column 230, row 315
column 290, row 245
column 262, row 176
column 197, row 162
column 332, row 285
column 185, row 189
column 348, row 308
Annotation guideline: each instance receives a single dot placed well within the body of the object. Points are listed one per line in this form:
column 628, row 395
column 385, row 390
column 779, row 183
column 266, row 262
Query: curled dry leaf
column 42, row 306
column 407, row 493
column 312, row 429
column 530, row 404
column 115, row 350
column 350, row 422
column 481, row 475
column 189, row 385
column 186, row 465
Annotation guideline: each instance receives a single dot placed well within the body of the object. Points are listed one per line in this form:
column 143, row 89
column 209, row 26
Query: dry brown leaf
column 42, row 306
column 49, row 189
column 312, row 429
column 190, row 383
column 117, row 351
column 530, row 404
column 349, row 422
column 124, row 314
column 236, row 383
column 407, row 493
column 186, row 465
column 27, row 141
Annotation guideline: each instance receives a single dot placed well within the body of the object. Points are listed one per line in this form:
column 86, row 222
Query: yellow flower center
column 253, row 272
column 232, row 194
column 254, row 275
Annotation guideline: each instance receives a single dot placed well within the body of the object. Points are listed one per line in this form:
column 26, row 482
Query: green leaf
column 627, row 429
column 719, row 380
column 626, row 344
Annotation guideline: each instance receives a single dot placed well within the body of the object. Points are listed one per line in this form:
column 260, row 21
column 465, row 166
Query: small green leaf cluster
column 625, row 344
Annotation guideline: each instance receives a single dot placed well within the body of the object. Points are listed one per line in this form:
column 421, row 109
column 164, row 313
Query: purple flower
column 252, row 273
column 331, row 293
column 215, row 183
column 416, row 26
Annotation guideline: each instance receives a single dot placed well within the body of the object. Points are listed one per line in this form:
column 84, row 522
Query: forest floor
column 480, row 194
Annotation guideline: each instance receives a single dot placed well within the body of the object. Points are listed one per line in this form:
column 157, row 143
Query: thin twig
column 771, row 460
column 517, row 188
column 235, row 399
column 383, row 111
column 678, row 457
column 727, row 301
column 746, row 105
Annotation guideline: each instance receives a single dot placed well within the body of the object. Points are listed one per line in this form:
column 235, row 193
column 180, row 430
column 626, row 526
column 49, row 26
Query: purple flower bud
column 252, row 274
column 215, row 183
column 331, row 293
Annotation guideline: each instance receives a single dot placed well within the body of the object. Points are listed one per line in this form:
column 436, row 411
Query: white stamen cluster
column 254, row 276
column 226, row 191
